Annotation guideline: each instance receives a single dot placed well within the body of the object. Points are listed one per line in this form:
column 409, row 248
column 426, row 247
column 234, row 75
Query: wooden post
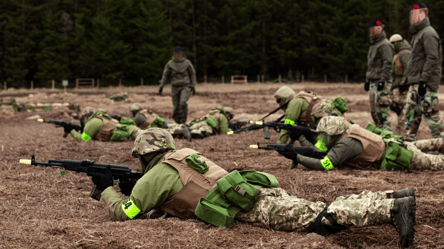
column 325, row 78
column 120, row 82
column 223, row 79
column 258, row 78
column 64, row 89
column 205, row 79
column 263, row 78
column 346, row 79
column 98, row 83
column 77, row 84
column 53, row 83
column 32, row 85
column 141, row 81
column 280, row 79
column 302, row 78
column 4, row 85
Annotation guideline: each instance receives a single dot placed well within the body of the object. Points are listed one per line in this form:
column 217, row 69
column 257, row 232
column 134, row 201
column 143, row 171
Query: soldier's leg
column 421, row 160
column 413, row 112
column 277, row 210
column 373, row 111
column 383, row 106
column 402, row 99
column 434, row 120
column 434, row 144
column 201, row 128
column 183, row 107
column 175, row 94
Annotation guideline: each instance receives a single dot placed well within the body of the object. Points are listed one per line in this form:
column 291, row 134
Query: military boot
column 401, row 193
column 403, row 215
column 197, row 135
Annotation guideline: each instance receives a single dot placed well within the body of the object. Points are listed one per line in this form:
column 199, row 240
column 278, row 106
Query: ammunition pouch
column 396, row 157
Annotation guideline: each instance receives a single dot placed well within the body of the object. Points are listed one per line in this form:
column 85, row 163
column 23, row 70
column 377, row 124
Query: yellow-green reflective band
column 326, row 163
column 130, row 209
column 320, row 145
column 85, row 136
column 289, row 122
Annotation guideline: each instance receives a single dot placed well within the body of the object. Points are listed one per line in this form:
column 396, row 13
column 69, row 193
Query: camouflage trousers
column 400, row 99
column 380, row 105
column 180, row 95
column 421, row 160
column 416, row 107
column 277, row 210
column 175, row 128
column 201, row 126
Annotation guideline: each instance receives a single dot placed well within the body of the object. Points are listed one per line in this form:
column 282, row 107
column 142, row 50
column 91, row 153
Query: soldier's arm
column 89, row 131
column 166, row 74
column 150, row 191
column 292, row 114
column 344, row 150
column 192, row 74
column 223, row 124
column 431, row 49
column 387, row 58
column 305, row 142
column 404, row 58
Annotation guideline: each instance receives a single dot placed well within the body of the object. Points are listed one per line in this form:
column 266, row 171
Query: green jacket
column 179, row 73
column 93, row 126
column 426, row 59
column 404, row 58
column 293, row 111
column 380, row 56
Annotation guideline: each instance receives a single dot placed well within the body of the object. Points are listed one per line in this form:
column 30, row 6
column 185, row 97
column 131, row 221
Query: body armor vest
column 312, row 100
column 399, row 69
column 373, row 145
column 109, row 126
column 196, row 185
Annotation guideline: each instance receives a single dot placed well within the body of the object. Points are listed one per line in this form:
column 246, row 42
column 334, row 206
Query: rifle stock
column 65, row 125
column 121, row 173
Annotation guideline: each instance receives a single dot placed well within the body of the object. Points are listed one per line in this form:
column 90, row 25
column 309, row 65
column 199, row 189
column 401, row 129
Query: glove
column 68, row 129
column 422, row 89
column 405, row 82
column 160, row 90
column 126, row 187
column 102, row 181
column 193, row 90
column 380, row 86
column 367, row 86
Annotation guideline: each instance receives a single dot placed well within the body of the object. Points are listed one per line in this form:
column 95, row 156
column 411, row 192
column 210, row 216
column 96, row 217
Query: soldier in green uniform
column 423, row 75
column 362, row 148
column 378, row 79
column 180, row 72
column 147, row 119
column 216, row 122
column 399, row 72
column 185, row 184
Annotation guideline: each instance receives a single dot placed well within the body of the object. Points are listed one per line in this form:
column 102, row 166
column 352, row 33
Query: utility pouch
column 211, row 122
column 340, row 104
column 194, row 162
column 235, row 189
column 120, row 133
column 157, row 123
column 422, row 89
column 260, row 178
column 380, row 86
column 396, row 157
column 127, row 121
column 372, row 127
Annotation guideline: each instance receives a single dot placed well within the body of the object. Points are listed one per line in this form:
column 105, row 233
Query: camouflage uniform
column 182, row 76
column 380, row 57
column 221, row 116
column 424, row 69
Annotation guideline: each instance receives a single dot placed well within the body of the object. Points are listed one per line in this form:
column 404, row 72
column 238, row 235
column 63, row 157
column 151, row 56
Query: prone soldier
column 216, row 122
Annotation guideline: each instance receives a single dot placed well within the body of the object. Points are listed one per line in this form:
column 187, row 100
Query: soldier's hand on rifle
column 126, row 187
column 160, row 90
column 68, row 128
column 193, row 90
column 102, row 181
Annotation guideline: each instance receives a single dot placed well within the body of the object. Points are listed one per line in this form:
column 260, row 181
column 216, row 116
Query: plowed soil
column 39, row 208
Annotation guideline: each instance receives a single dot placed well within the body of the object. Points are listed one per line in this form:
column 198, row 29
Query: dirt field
column 39, row 208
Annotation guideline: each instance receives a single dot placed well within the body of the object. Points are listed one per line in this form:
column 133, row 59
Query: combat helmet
column 153, row 140
column 331, row 126
column 135, row 107
column 321, row 110
column 229, row 112
column 284, row 94
column 85, row 114
column 395, row 38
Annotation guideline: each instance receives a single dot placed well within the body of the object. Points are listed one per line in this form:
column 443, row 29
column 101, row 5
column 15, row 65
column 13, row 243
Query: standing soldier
column 180, row 72
column 380, row 56
column 399, row 72
column 423, row 75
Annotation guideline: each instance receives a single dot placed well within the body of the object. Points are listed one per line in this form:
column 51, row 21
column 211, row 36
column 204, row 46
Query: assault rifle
column 116, row 117
column 295, row 131
column 234, row 126
column 289, row 151
column 119, row 172
column 68, row 127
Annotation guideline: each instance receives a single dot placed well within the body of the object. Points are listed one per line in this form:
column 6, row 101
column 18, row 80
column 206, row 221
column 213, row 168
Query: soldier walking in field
column 378, row 79
column 180, row 72
column 423, row 75
column 399, row 72
column 185, row 184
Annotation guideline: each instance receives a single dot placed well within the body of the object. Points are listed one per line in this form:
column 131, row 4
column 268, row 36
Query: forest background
column 45, row 40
